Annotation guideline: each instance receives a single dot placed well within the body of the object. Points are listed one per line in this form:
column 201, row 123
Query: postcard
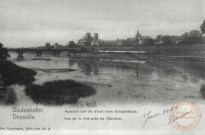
column 102, row 67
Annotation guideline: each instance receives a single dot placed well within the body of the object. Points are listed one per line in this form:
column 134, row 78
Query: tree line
column 56, row 45
column 192, row 37
column 3, row 52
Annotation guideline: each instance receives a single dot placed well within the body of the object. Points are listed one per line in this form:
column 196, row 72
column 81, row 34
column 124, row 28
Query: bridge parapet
column 39, row 51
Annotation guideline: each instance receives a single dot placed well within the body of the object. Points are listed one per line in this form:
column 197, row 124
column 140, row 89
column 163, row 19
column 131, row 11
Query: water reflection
column 141, row 68
column 93, row 65
column 123, row 80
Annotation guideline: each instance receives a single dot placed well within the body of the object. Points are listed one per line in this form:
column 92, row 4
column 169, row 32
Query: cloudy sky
column 35, row 22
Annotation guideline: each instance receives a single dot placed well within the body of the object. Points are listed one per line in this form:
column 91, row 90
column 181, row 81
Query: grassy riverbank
column 59, row 92
column 13, row 74
column 9, row 98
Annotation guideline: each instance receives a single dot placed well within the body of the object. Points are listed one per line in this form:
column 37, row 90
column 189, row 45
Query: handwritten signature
column 174, row 118
column 148, row 116
column 151, row 115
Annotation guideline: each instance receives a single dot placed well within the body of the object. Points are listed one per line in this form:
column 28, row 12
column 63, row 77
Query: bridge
column 39, row 51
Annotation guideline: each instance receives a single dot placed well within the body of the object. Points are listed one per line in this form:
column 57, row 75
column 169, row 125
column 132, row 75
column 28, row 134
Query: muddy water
column 122, row 81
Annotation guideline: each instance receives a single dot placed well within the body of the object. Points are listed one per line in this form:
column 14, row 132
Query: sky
column 27, row 23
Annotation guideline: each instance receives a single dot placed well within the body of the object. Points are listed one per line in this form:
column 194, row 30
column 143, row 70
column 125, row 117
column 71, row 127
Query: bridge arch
column 39, row 51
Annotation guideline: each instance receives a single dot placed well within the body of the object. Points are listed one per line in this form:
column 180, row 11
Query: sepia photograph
column 133, row 67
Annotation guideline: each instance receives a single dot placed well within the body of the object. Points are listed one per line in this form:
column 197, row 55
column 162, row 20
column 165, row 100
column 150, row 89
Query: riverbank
column 50, row 93
column 13, row 74
column 169, row 50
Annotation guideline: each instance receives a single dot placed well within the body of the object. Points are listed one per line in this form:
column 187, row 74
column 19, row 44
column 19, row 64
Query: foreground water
column 119, row 81
column 137, row 84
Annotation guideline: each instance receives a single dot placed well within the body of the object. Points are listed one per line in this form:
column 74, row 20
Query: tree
column 48, row 46
column 71, row 44
column 193, row 37
column 203, row 27
column 56, row 45
column 166, row 39
column 3, row 52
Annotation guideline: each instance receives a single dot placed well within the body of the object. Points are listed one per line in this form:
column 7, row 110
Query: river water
column 119, row 81
column 142, row 84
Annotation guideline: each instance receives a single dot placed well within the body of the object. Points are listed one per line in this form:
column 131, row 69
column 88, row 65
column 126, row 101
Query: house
column 176, row 40
column 168, row 40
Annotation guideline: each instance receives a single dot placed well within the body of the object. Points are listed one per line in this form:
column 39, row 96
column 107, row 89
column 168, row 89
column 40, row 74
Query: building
column 146, row 40
column 107, row 42
column 85, row 40
column 88, row 40
column 138, row 37
column 95, row 41
column 137, row 40
column 120, row 41
column 131, row 41
column 176, row 40
column 168, row 40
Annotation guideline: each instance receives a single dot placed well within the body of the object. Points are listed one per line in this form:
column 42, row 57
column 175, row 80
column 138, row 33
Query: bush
column 13, row 74
column 3, row 52
column 203, row 91
column 11, row 97
column 59, row 92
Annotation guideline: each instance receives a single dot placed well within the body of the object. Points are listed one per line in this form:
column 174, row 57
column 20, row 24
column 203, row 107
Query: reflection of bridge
column 39, row 51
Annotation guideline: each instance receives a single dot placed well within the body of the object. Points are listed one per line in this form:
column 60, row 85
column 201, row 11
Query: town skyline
column 33, row 23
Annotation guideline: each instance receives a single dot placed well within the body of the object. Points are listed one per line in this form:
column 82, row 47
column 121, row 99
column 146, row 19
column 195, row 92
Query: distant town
column 192, row 37
column 94, row 40
column 188, row 38
column 189, row 43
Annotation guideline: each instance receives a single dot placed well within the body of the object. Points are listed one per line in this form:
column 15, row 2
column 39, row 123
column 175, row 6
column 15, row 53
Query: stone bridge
column 39, row 51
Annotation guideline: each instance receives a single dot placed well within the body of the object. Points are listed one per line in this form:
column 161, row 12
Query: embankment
column 195, row 49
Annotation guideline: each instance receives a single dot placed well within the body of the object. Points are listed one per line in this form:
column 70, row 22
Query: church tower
column 138, row 35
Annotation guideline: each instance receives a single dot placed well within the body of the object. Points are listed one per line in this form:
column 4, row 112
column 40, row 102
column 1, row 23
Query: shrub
column 13, row 74
column 11, row 97
column 59, row 92
column 203, row 91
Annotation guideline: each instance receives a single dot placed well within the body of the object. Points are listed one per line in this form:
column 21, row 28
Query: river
column 142, row 85
column 119, row 81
